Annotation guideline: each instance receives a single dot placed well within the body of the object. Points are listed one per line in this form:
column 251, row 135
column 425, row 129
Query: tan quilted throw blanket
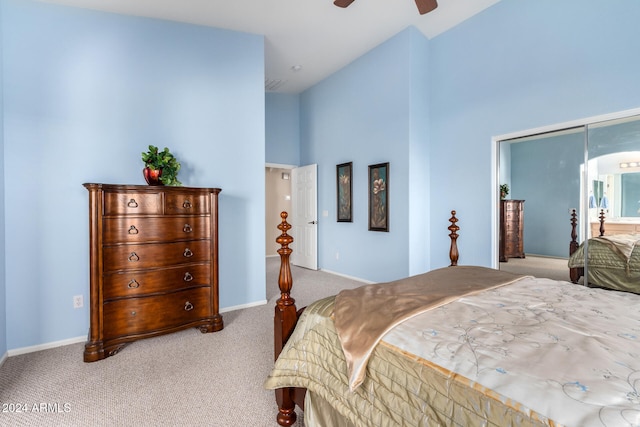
column 364, row 315
column 621, row 244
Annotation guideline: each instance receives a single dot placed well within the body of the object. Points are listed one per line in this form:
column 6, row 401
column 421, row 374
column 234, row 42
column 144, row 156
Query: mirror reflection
column 548, row 175
column 543, row 172
column 615, row 187
column 613, row 171
column 610, row 253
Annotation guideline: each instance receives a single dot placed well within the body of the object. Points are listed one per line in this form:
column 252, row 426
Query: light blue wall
column 85, row 92
column 513, row 67
column 545, row 173
column 613, row 138
column 282, row 128
column 630, row 189
column 419, row 174
column 3, row 298
column 363, row 113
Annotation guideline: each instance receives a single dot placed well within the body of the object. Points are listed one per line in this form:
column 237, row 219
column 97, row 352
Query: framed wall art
column 379, row 197
column 344, row 191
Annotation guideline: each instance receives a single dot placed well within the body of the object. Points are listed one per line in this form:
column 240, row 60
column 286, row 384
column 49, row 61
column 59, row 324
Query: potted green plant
column 160, row 167
column 504, row 190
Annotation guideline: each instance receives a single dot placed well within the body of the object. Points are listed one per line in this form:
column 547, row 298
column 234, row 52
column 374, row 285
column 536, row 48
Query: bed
column 504, row 350
column 613, row 260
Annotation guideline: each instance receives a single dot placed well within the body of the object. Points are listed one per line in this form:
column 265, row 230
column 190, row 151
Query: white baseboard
column 3, row 358
column 348, row 277
column 46, row 346
column 240, row 307
column 337, row 274
column 545, row 256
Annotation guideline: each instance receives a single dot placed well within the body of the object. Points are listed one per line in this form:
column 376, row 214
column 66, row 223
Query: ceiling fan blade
column 425, row 6
column 343, row 3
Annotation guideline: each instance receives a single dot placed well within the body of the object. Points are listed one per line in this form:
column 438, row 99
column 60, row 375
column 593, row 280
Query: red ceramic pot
column 152, row 176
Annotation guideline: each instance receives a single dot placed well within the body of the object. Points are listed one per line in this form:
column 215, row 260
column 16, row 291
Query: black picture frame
column 344, row 192
column 379, row 197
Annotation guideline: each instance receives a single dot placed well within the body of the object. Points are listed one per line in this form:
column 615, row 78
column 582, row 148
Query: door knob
column 313, row 222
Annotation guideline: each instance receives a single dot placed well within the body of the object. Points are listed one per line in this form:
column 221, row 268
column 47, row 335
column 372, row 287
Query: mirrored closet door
column 592, row 168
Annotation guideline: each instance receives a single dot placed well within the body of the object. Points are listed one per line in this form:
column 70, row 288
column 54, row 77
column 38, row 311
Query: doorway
column 304, row 216
column 294, row 190
column 277, row 199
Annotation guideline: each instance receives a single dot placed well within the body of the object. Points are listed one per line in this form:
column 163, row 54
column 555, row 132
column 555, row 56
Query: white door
column 304, row 216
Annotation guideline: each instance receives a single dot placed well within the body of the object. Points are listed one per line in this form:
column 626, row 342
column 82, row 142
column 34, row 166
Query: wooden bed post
column 601, row 222
column 573, row 245
column 575, row 272
column 453, row 250
column 286, row 316
column 284, row 321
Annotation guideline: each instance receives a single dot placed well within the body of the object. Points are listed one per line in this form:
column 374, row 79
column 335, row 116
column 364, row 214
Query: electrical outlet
column 78, row 301
column 337, row 255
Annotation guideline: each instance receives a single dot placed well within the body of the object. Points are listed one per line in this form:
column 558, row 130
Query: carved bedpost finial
column 574, row 273
column 574, row 234
column 601, row 222
column 453, row 251
column 285, row 282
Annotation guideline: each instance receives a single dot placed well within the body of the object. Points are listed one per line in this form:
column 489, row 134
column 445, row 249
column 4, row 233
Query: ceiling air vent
column 273, row 84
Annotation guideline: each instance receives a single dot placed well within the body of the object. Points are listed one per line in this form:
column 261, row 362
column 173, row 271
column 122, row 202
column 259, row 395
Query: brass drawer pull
column 186, row 204
column 133, row 230
column 187, row 277
column 132, row 203
column 188, row 306
column 187, row 228
column 133, row 257
column 133, row 284
column 187, row 253
column 133, row 313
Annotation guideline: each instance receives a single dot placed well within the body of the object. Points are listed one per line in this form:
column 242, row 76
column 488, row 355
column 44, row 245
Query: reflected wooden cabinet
column 511, row 229
column 611, row 228
column 153, row 263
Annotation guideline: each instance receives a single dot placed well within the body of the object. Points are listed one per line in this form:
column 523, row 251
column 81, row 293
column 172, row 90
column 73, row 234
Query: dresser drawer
column 137, row 283
column 155, row 313
column 128, row 257
column 138, row 229
column 511, row 216
column 513, row 227
column 512, row 205
column 186, row 204
column 132, row 203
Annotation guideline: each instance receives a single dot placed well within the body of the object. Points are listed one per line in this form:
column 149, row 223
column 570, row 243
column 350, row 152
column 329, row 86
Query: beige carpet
column 182, row 379
column 552, row 268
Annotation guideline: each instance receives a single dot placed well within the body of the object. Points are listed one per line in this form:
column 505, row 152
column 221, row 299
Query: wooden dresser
column 511, row 229
column 153, row 263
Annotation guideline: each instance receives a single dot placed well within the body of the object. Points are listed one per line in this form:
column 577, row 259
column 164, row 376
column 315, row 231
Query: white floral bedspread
column 568, row 353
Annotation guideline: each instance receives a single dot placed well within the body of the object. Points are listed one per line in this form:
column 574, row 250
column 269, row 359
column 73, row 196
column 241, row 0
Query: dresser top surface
column 121, row 188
